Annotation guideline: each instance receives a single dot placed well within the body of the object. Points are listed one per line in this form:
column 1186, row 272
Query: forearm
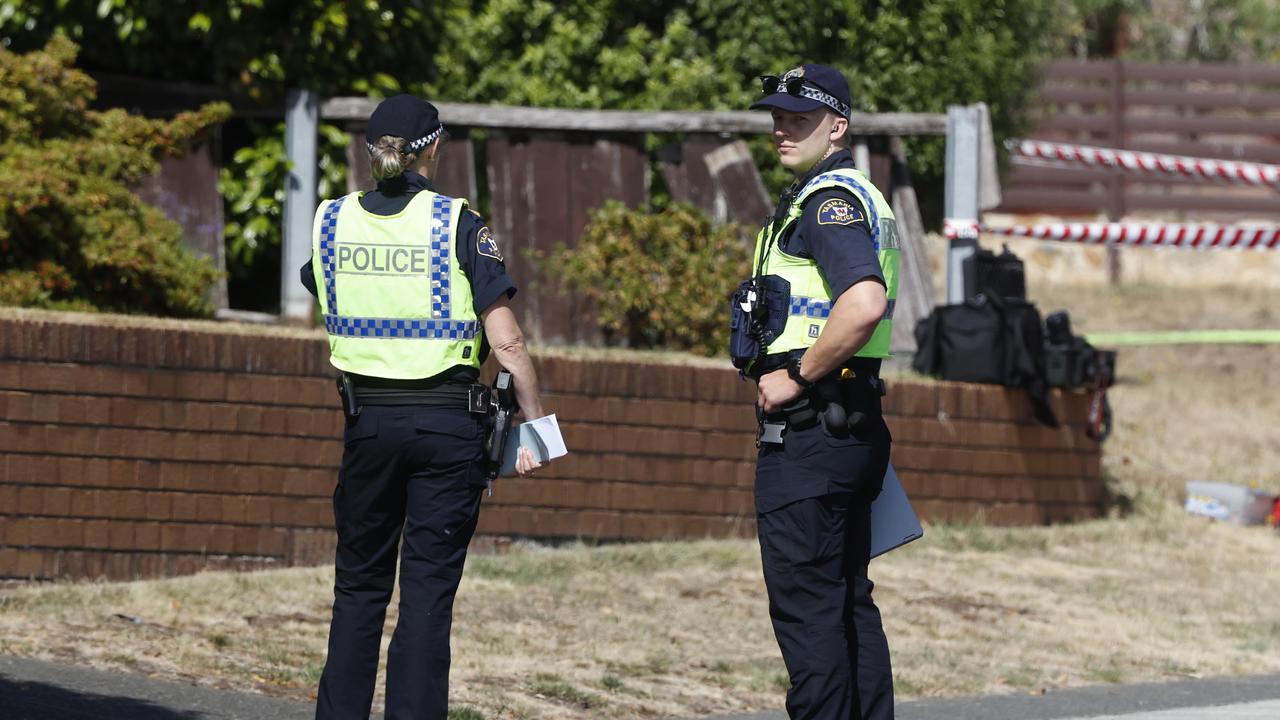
column 514, row 357
column 509, row 349
column 852, row 321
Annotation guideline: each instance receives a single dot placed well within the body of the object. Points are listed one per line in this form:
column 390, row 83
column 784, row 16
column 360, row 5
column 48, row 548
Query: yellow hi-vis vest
column 396, row 302
column 811, row 299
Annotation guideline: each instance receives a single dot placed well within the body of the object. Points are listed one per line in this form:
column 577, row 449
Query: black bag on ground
column 987, row 339
column 1002, row 275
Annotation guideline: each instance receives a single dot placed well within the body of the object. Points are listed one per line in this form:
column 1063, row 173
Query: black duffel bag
column 987, row 339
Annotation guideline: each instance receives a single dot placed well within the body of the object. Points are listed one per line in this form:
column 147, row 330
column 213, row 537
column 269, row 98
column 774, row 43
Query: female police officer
column 819, row 306
column 412, row 285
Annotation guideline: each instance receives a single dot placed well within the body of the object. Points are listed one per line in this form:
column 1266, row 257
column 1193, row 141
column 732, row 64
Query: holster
column 502, row 409
column 347, row 391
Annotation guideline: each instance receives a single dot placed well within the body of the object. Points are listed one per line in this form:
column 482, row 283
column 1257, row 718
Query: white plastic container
column 1224, row 501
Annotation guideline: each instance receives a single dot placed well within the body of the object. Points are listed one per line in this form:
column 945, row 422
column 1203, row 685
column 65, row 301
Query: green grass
column 557, row 688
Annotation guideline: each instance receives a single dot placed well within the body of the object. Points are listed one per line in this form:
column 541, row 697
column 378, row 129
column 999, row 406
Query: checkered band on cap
column 813, row 93
column 413, row 146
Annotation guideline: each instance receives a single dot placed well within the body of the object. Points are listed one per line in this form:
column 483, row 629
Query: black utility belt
column 439, row 397
column 844, row 407
column 472, row 397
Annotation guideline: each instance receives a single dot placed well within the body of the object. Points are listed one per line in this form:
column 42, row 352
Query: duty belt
column 445, row 396
column 841, row 406
column 474, row 398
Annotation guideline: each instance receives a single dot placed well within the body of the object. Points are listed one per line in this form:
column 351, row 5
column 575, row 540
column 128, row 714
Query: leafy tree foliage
column 72, row 234
column 657, row 279
column 1175, row 30
column 909, row 55
column 899, row 55
column 254, row 48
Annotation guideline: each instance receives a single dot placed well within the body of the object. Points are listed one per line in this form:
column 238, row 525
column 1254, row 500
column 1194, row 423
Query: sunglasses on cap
column 795, row 87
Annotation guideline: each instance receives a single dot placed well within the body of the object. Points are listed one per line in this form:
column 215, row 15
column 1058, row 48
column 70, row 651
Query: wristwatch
column 793, row 370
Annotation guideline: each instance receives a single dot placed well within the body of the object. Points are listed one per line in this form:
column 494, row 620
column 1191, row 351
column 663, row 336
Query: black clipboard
column 893, row 521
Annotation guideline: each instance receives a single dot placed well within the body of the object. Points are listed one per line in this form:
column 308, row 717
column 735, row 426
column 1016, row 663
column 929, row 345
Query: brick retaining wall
column 136, row 448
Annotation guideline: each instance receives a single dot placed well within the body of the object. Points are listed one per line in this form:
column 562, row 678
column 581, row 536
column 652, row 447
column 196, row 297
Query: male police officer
column 411, row 284
column 811, row 326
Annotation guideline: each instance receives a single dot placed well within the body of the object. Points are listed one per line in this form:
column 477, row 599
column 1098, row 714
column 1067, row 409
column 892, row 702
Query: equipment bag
column 1002, row 275
column 987, row 339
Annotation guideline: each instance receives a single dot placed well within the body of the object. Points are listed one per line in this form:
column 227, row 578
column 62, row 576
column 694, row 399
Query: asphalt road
column 37, row 690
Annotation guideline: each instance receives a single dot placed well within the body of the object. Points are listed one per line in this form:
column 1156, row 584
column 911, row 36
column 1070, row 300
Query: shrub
column 657, row 279
column 72, row 234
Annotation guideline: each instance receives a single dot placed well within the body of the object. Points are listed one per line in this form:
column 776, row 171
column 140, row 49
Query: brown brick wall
column 145, row 448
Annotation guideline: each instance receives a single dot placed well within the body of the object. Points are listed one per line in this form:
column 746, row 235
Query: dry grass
column 681, row 629
column 1185, row 412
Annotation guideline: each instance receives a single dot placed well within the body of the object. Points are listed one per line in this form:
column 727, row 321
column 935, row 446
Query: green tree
column 72, row 234
column 252, row 48
column 899, row 55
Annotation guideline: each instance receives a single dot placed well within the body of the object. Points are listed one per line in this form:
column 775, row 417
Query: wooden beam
column 357, row 110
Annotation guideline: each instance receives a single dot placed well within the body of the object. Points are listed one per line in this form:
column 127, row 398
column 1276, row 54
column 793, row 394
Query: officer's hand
column 525, row 464
column 777, row 390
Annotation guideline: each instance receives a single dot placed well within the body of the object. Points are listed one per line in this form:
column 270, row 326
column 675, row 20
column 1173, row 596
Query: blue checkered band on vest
column 861, row 192
column 441, row 207
column 328, row 259
column 810, row 307
column 439, row 325
column 399, row 328
column 815, row 308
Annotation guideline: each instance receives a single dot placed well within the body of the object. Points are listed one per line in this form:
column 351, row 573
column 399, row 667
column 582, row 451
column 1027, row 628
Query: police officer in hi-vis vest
column 811, row 326
column 413, row 291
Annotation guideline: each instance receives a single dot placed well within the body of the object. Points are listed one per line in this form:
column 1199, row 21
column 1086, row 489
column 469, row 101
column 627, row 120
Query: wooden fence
column 1215, row 111
column 544, row 170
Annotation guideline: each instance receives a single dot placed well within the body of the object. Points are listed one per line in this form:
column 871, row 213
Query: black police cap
column 404, row 116
column 823, row 87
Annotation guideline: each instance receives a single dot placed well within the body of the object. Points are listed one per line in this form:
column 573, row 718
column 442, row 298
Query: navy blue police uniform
column 410, row 483
column 814, row 491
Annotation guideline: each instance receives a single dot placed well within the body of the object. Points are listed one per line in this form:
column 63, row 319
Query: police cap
column 404, row 116
column 806, row 88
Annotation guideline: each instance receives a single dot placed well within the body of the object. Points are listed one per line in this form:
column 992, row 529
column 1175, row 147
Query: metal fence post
column 962, row 192
column 301, row 124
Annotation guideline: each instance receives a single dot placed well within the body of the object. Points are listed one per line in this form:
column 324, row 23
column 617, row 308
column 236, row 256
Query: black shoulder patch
column 485, row 244
column 838, row 211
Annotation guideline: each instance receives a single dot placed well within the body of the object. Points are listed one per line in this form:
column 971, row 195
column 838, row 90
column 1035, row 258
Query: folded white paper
column 540, row 436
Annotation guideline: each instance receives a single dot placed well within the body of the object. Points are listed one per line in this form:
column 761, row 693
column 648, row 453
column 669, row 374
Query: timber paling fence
column 544, row 170
column 1210, row 111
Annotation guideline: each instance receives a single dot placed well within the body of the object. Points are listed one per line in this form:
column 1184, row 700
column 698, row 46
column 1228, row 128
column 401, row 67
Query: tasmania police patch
column 485, row 244
column 838, row 212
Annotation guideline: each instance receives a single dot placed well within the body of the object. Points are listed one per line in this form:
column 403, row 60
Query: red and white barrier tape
column 1129, row 234
column 1154, row 164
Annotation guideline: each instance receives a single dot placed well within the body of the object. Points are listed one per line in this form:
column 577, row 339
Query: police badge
column 485, row 244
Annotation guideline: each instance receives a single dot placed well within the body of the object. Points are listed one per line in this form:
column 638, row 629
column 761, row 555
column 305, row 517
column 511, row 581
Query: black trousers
column 415, row 473
column 815, row 553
